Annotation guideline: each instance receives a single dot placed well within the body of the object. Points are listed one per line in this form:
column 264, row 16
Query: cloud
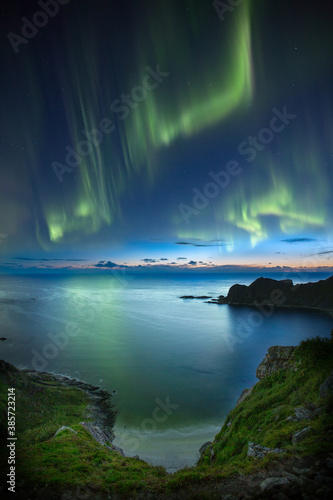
column 298, row 240
column 209, row 243
column 49, row 260
column 324, row 253
column 181, row 258
column 23, row 258
column 108, row 264
column 74, row 260
column 148, row 260
column 192, row 263
column 164, row 258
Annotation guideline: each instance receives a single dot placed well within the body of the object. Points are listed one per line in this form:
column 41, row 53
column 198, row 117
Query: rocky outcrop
column 272, row 483
column 281, row 293
column 326, row 387
column 277, row 358
column 194, row 297
column 312, row 482
column 65, row 428
column 101, row 409
column 207, row 446
column 257, row 451
column 244, row 395
column 101, row 436
column 301, row 435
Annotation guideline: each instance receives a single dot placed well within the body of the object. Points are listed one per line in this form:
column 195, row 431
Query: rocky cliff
column 284, row 423
column 270, row 292
column 277, row 358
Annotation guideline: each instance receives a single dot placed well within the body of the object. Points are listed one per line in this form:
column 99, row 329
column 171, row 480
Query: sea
column 175, row 367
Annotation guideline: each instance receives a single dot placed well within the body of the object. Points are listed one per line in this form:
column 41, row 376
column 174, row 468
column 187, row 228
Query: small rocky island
column 281, row 293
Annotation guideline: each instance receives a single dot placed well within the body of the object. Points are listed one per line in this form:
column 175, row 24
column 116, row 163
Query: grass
column 72, row 460
column 262, row 417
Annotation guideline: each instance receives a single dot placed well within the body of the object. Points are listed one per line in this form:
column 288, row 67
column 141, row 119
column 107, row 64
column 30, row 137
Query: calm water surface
column 178, row 366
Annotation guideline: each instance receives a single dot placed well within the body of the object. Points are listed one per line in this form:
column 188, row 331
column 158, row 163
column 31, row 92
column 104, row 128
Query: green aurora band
column 103, row 176
column 214, row 79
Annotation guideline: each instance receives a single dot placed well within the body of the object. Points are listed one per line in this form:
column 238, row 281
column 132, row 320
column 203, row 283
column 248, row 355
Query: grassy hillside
column 262, row 416
column 62, row 466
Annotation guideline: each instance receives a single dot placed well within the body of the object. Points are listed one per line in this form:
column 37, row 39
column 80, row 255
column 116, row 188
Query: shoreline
column 173, row 448
column 100, row 408
column 329, row 312
column 156, row 449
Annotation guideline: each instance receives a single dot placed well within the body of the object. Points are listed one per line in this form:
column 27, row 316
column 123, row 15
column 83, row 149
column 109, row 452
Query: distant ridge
column 282, row 293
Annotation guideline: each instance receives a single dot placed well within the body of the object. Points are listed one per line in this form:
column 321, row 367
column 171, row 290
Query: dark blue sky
column 166, row 133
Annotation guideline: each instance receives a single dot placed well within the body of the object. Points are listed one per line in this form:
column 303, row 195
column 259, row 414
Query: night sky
column 166, row 134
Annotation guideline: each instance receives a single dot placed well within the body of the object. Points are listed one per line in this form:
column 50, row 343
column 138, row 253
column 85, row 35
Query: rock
column 301, row 472
column 262, row 291
column 257, row 451
column 193, row 297
column 101, row 436
column 301, row 435
column 326, row 387
column 308, row 484
column 304, row 413
column 292, row 419
column 277, row 357
column 291, row 477
column 280, row 496
column 274, row 482
column 204, row 447
column 324, row 480
column 64, row 428
column 268, row 293
column 119, row 450
column 244, row 395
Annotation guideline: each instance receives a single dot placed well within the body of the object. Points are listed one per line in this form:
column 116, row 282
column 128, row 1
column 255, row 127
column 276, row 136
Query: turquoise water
column 177, row 366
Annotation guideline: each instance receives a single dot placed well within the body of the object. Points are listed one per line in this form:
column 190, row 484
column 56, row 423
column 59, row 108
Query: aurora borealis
column 119, row 117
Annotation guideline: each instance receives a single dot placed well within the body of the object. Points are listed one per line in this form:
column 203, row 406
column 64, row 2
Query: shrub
column 311, row 351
